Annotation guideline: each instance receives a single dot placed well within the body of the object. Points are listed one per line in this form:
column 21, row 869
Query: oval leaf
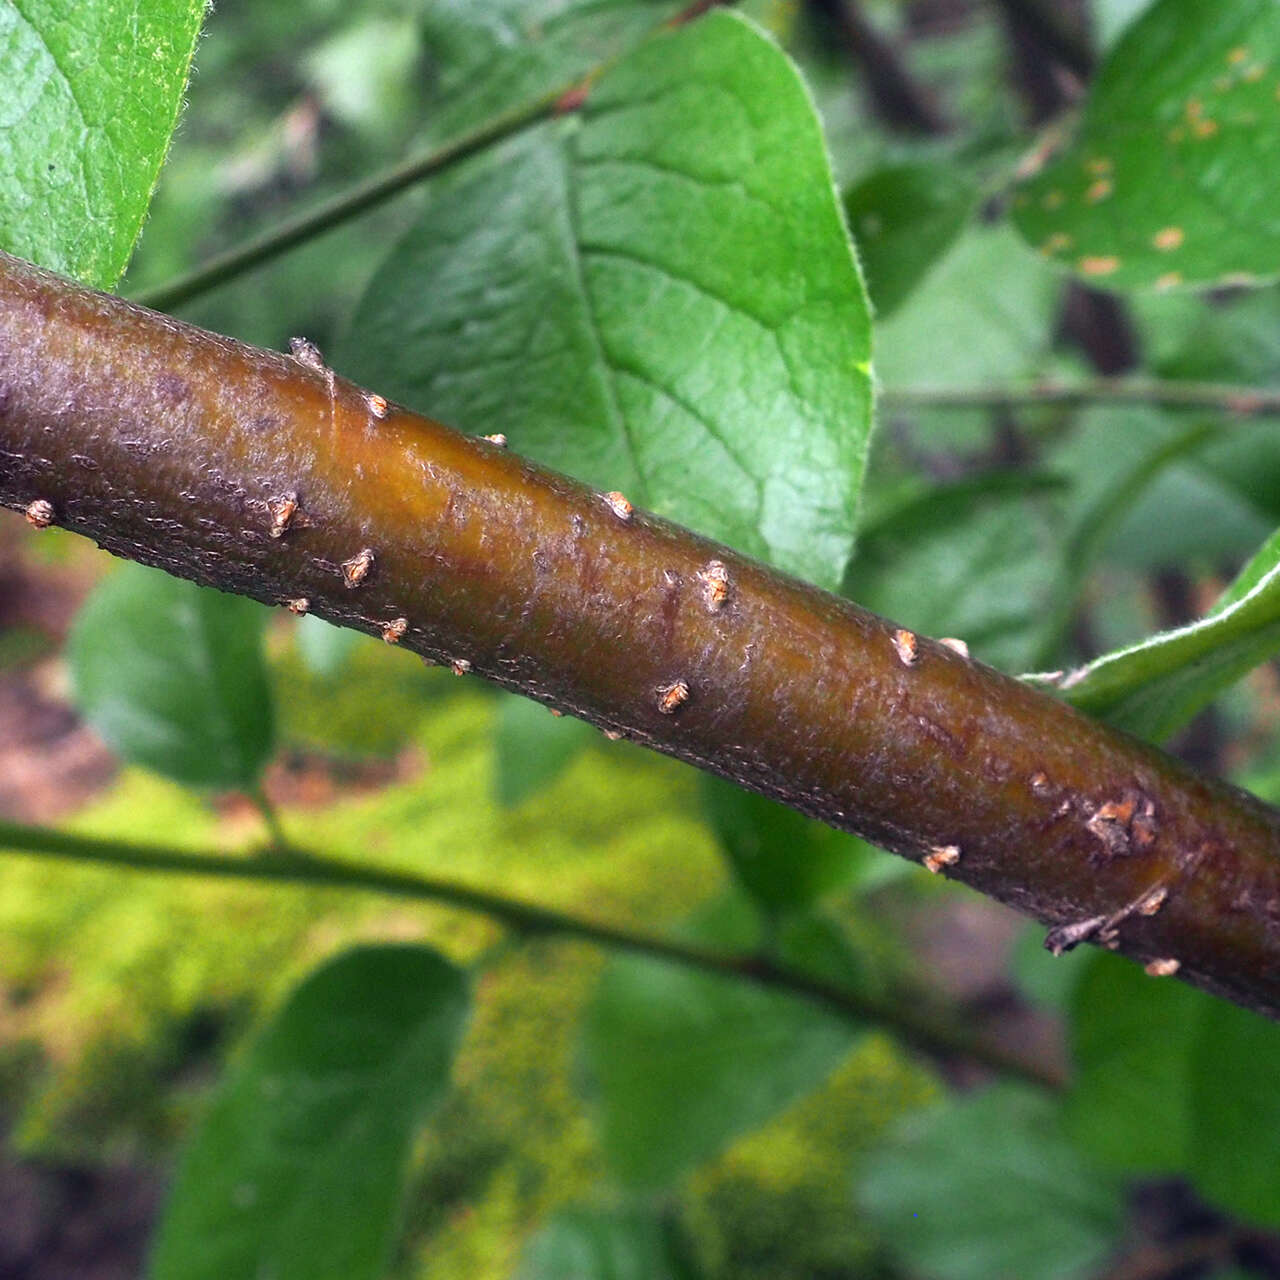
column 1131, row 1038
column 782, row 858
column 1164, row 184
column 172, row 676
column 659, row 297
column 1235, row 1111
column 904, row 218
column 685, row 1061
column 989, row 1189
column 534, row 748
column 495, row 55
column 297, row 1170
column 1171, row 1080
column 92, row 94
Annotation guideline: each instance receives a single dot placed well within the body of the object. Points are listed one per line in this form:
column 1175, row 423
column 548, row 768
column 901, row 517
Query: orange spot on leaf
column 1099, row 265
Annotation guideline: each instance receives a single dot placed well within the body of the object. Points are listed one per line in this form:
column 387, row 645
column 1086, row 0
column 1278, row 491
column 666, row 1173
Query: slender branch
column 895, row 95
column 1058, row 33
column 174, row 446
column 314, row 871
column 374, row 191
column 270, row 818
column 327, row 215
column 1242, row 401
column 1163, row 1259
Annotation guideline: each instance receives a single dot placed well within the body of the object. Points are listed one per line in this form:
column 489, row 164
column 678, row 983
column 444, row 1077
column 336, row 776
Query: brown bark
column 186, row 450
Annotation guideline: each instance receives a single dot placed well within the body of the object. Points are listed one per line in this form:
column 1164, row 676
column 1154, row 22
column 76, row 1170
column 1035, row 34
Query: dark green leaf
column 1131, row 1038
column 496, row 54
column 297, row 1170
column 685, row 1061
column 582, row 1244
column 1163, row 185
column 783, row 858
column 1235, row 1111
column 978, row 560
column 1171, row 1080
column 172, row 676
column 91, row 93
column 1111, row 461
column 816, row 944
column 903, row 219
column 534, row 748
column 1155, row 687
column 659, row 297
column 989, row 1189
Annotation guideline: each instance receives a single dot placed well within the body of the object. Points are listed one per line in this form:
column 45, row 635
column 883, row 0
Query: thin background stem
column 270, row 818
column 1242, row 401
column 292, row 866
column 1060, row 35
column 235, row 262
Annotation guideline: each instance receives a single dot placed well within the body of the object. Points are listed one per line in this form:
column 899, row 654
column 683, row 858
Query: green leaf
column 976, row 559
column 91, row 97
column 1041, row 977
column 985, row 314
column 496, row 54
column 903, row 219
column 685, row 1061
column 534, row 748
column 172, row 676
column 1155, row 687
column 989, row 1189
column 585, row 1244
column 1131, row 1039
column 1171, row 1080
column 1111, row 17
column 325, row 648
column 297, row 1170
column 1235, row 1111
column 782, row 858
column 659, row 297
column 1112, row 461
column 1163, row 185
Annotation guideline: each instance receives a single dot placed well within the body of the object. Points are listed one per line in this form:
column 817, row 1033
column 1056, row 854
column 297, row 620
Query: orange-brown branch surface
column 269, row 475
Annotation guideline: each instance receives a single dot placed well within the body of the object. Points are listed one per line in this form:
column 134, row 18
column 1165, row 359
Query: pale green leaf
column 585, row 1244
column 495, row 54
column 89, row 98
column 659, row 297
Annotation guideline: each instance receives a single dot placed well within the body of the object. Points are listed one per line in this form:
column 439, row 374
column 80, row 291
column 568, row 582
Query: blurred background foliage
column 1042, row 537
